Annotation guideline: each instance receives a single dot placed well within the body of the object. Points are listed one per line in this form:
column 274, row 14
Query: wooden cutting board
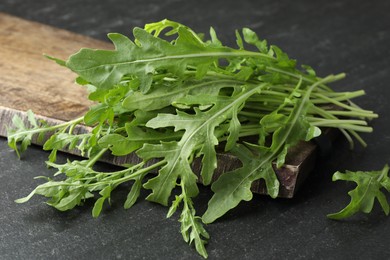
column 28, row 80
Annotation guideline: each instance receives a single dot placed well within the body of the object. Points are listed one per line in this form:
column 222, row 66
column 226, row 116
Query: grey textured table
column 332, row 36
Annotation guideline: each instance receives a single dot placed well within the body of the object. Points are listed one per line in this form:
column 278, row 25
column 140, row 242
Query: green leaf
column 252, row 38
column 64, row 197
column 191, row 228
column 369, row 185
column 105, row 68
column 53, row 155
column 245, row 73
column 233, row 187
column 105, row 194
column 283, row 59
column 97, row 207
column 98, row 114
column 60, row 140
column 166, row 94
column 239, row 41
column 136, row 138
column 174, row 206
column 234, row 130
column 214, row 38
column 177, row 165
column 133, row 195
column 119, row 144
column 199, row 136
column 31, row 118
column 70, row 200
column 80, row 80
column 310, row 71
column 75, row 169
column 21, row 133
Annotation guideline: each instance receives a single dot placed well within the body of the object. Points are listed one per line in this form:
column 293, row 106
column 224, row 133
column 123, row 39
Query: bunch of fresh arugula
column 170, row 102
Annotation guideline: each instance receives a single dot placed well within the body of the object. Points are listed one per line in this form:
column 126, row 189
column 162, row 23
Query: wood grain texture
column 30, row 81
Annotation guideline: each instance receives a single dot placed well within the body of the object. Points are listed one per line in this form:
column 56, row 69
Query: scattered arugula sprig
column 369, row 185
column 169, row 102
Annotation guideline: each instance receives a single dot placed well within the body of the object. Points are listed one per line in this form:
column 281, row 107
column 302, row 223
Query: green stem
column 322, row 121
column 362, row 114
column 349, row 127
column 300, row 75
column 49, row 128
column 116, row 182
column 139, row 172
column 383, row 173
column 96, row 158
column 346, row 133
column 341, row 96
column 340, row 104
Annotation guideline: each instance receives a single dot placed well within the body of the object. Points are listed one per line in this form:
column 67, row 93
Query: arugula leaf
column 104, row 68
column 369, row 185
column 166, row 93
column 22, row 134
column 252, row 38
column 105, row 194
column 192, row 228
column 63, row 196
column 61, row 140
column 233, row 187
column 99, row 114
column 199, row 135
column 136, row 137
column 176, row 165
column 133, row 195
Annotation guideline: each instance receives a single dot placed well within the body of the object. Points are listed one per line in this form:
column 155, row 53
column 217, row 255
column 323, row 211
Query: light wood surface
column 31, row 81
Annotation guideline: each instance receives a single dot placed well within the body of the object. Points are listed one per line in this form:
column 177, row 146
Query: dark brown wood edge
column 299, row 162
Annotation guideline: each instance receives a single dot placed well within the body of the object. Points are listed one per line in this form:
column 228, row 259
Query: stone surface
column 332, row 36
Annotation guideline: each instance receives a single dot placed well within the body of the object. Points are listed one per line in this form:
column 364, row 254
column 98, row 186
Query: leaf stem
column 140, row 172
column 96, row 157
column 48, row 128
